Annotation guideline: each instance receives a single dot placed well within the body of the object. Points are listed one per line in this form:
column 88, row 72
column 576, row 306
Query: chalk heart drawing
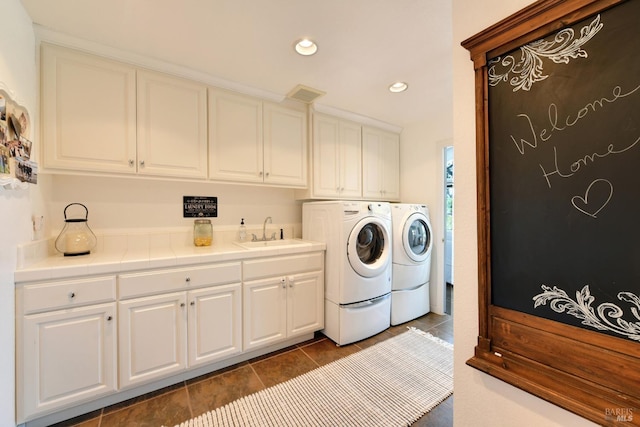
column 599, row 186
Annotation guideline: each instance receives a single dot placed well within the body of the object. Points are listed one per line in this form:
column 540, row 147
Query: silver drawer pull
column 109, row 318
column 188, row 279
column 72, row 295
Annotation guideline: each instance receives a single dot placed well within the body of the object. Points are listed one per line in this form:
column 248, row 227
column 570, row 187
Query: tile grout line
column 216, row 373
column 186, row 388
column 257, row 376
column 309, row 357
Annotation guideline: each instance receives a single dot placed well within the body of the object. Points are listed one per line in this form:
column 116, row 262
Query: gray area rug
column 392, row 383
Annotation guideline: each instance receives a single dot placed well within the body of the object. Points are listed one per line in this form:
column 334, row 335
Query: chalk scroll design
column 605, row 317
column 524, row 73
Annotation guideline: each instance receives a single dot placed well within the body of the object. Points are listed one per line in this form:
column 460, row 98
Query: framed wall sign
column 199, row 207
column 558, row 156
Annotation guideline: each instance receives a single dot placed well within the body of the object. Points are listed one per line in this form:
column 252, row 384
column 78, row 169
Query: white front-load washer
column 412, row 246
column 358, row 262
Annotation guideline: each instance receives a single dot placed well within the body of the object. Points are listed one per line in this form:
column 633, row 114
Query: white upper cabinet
column 337, row 163
column 172, row 126
column 285, row 145
column 235, row 137
column 255, row 141
column 380, row 164
column 88, row 112
column 105, row 116
column 100, row 115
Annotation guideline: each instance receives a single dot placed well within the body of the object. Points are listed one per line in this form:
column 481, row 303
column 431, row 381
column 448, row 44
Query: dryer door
column 369, row 247
column 416, row 237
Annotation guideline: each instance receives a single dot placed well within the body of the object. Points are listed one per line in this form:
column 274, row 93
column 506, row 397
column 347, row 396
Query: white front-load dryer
column 412, row 247
column 358, row 259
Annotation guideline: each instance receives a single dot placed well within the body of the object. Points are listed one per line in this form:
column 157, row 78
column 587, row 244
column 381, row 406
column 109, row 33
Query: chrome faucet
column 264, row 231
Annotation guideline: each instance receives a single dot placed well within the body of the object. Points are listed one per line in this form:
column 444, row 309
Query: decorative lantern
column 76, row 238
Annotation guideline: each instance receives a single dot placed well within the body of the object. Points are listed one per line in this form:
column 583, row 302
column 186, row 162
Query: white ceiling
column 364, row 45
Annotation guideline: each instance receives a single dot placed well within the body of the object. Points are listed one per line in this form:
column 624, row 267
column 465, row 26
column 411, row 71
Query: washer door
column 416, row 237
column 368, row 248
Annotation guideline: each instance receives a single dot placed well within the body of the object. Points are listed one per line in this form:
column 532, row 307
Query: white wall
column 421, row 165
column 421, row 178
column 480, row 400
column 125, row 203
column 18, row 78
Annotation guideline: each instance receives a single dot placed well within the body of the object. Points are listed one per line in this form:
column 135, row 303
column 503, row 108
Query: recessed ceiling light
column 398, row 87
column 306, row 47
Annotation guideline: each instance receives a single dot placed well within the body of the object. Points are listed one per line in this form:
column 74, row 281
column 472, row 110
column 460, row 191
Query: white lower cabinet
column 164, row 334
column 284, row 305
column 79, row 340
column 152, row 337
column 265, row 312
column 215, row 323
column 66, row 344
column 305, row 303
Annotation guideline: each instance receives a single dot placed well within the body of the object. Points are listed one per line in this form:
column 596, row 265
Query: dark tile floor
column 185, row 400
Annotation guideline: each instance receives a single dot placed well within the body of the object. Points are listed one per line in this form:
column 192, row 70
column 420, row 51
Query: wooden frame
column 589, row 373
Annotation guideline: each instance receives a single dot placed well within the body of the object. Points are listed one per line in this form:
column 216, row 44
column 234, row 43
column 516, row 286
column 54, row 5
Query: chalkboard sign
column 564, row 156
column 558, row 181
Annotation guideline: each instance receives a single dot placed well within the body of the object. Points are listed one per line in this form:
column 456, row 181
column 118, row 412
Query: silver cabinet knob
column 141, row 163
column 131, row 163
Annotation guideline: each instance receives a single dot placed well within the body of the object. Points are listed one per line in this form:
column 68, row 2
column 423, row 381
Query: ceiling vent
column 305, row 94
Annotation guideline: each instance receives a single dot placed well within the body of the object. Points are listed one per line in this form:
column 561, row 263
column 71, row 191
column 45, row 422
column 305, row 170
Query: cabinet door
column 372, row 175
column 264, row 312
column 350, row 160
column 235, row 137
column 326, row 156
column 172, row 126
column 305, row 303
column 390, row 159
column 285, row 146
column 88, row 112
column 152, row 337
column 380, row 164
column 69, row 357
column 215, row 323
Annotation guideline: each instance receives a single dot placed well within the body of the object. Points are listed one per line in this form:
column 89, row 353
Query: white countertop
column 117, row 254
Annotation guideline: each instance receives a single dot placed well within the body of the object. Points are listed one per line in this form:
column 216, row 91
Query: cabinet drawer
column 69, row 293
column 277, row 266
column 153, row 282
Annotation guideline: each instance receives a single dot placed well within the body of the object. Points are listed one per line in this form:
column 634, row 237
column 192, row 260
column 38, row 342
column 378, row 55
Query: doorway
column 448, row 227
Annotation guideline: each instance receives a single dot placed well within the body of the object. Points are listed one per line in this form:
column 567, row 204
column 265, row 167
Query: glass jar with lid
column 202, row 232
